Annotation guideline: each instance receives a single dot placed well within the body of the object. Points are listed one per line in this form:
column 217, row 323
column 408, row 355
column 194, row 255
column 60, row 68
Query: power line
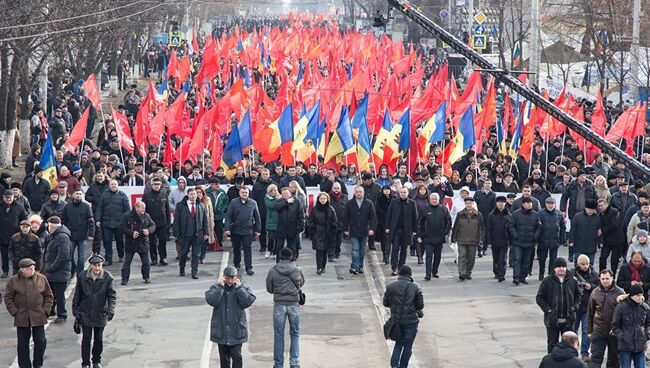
column 84, row 26
column 70, row 18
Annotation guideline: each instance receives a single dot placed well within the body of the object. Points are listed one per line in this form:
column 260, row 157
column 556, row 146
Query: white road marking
column 382, row 312
column 207, row 344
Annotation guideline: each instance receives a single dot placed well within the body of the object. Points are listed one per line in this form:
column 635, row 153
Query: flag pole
column 562, row 150
column 160, row 140
column 546, row 161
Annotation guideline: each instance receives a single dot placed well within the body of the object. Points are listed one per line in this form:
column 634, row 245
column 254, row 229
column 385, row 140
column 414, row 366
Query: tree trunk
column 4, row 84
column 25, row 110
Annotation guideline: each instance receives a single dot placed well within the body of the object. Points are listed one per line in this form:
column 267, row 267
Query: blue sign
column 444, row 13
column 479, row 42
column 479, row 30
column 158, row 38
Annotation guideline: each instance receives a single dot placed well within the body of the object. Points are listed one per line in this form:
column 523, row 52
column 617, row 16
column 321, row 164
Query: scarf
column 337, row 196
column 635, row 270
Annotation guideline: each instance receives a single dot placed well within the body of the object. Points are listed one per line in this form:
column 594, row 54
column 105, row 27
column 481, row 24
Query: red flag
column 217, row 150
column 195, row 44
column 198, row 140
column 78, row 133
column 184, row 67
column 172, row 66
column 90, row 88
column 122, row 129
column 598, row 118
column 168, row 158
column 174, row 115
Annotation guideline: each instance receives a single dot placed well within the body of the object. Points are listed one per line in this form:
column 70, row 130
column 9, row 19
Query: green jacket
column 219, row 203
column 271, row 214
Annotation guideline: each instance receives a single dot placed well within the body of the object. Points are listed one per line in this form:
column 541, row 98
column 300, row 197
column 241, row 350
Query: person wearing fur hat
column 631, row 326
column 585, row 233
column 559, row 297
column 405, row 300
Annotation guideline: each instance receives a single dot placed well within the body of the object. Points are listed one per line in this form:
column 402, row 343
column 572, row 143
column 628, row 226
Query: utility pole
column 634, row 49
column 534, row 43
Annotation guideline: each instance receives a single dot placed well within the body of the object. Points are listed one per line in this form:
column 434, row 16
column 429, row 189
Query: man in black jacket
column 137, row 227
column 405, row 300
column 93, row 195
column 587, row 281
column 553, row 234
column 600, row 311
column 338, row 200
column 77, row 216
column 360, row 223
column 36, row 190
column 113, row 204
column 564, row 354
column 485, row 200
column 191, row 230
column 259, row 192
column 371, row 190
column 524, row 229
column 401, row 226
column 433, row 227
column 25, row 244
column 613, row 236
column 586, row 231
column 291, row 222
column 93, row 305
column 559, row 298
column 157, row 206
column 242, row 223
column 496, row 237
column 11, row 214
column 57, row 264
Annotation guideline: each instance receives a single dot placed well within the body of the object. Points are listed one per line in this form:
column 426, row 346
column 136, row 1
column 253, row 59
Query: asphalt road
column 477, row 323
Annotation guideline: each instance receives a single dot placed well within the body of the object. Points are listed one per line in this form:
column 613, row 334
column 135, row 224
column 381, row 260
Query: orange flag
column 90, row 88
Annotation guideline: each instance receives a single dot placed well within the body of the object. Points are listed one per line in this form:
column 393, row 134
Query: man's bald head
column 571, row 338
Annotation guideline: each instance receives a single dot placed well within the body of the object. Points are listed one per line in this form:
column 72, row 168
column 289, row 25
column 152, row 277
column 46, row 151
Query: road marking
column 68, row 291
column 206, row 353
column 377, row 299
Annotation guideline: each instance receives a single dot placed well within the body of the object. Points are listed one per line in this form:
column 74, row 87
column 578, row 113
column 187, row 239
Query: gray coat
column 58, row 265
column 229, row 326
column 283, row 281
column 112, row 206
column 584, row 233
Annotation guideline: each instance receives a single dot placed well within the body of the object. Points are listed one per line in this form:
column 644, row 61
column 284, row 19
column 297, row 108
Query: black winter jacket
column 339, row 208
column 243, row 218
column 58, row 265
column 631, row 325
column 496, row 228
column 291, row 218
column 35, row 193
column 584, row 233
column 485, row 202
column 25, row 246
column 553, row 232
column 434, row 224
column 559, row 299
column 624, row 279
column 524, row 228
column 10, row 218
column 94, row 193
column 404, row 298
column 610, row 224
column 132, row 222
column 358, row 221
column 112, row 206
column 590, row 277
column 228, row 325
column 322, row 224
column 571, row 196
column 94, row 300
column 52, row 208
column 562, row 356
column 78, row 218
column 405, row 218
column 157, row 206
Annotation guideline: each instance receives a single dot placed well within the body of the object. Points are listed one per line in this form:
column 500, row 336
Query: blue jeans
column 358, row 251
column 403, row 347
column 581, row 321
column 80, row 260
column 280, row 315
column 627, row 357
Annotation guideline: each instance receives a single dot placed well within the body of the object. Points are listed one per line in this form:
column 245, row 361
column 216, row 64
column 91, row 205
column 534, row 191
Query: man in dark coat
column 433, row 227
column 524, row 229
column 25, row 244
column 401, row 227
column 57, row 264
column 577, row 194
column 113, row 204
column 585, row 231
column 485, row 200
column 360, row 222
column 559, row 298
column 229, row 298
column 93, row 305
column 11, row 214
column 77, row 216
column 552, row 234
column 241, row 223
column 603, row 299
column 291, row 221
column 36, row 190
column 564, row 354
column 631, row 326
column 622, row 200
column 372, row 191
column 613, row 236
column 338, row 201
column 28, row 300
column 191, row 229
column 137, row 227
column 587, row 281
column 93, row 195
column 405, row 300
column 496, row 237
column 259, row 192
column 53, row 207
column 157, row 206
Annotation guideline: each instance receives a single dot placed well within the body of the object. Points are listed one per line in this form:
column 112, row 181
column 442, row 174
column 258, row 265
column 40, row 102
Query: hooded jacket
column 631, row 325
column 283, row 281
column 562, row 356
column 404, row 298
column 645, row 248
column 229, row 325
column 58, row 265
column 559, row 299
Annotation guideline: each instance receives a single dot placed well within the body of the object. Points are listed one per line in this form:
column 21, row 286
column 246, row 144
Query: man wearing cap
column 36, row 190
column 62, row 188
column 87, row 168
column 524, row 229
column 577, row 194
column 191, row 230
column 113, row 204
column 229, row 298
column 468, row 232
column 559, row 298
column 458, row 204
column 552, row 234
column 28, row 299
column 53, row 207
column 137, row 227
column 24, row 244
column 57, row 264
column 631, row 326
column 496, row 237
column 11, row 214
column 157, row 206
column 284, row 281
column 19, row 197
column 77, row 216
column 585, row 233
column 406, row 302
column 93, row 305
column 57, row 124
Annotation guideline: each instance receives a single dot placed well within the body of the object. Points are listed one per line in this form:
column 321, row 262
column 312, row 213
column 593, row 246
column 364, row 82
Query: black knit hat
column 405, row 271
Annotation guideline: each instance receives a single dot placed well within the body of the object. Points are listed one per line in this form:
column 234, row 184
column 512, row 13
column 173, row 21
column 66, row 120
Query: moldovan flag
column 363, row 147
column 47, row 162
column 382, row 138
